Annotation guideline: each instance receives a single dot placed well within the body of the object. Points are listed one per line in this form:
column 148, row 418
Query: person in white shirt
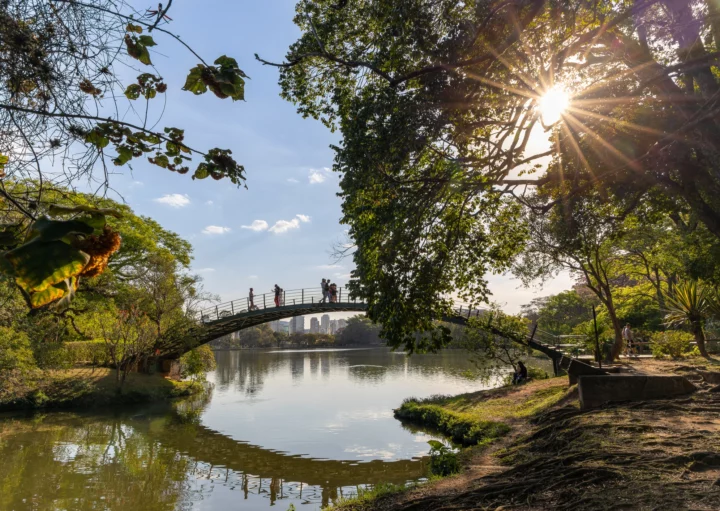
column 627, row 336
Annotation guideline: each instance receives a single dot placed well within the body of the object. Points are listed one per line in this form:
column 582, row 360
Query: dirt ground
column 653, row 455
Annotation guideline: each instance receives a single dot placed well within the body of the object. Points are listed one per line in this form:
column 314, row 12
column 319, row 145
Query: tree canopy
column 445, row 138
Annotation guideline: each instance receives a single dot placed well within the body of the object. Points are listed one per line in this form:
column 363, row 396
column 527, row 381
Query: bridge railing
column 307, row 296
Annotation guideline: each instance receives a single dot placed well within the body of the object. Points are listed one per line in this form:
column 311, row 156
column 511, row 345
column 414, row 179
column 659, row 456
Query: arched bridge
column 229, row 317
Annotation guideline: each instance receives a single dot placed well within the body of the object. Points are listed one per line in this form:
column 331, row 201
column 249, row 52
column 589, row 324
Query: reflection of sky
column 330, row 405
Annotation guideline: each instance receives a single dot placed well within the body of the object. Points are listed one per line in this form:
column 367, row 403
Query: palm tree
column 690, row 304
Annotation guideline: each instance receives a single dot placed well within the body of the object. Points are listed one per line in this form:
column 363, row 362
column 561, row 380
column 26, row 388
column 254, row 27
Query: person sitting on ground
column 521, row 374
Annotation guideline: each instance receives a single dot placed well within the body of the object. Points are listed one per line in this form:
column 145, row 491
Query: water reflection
column 278, row 428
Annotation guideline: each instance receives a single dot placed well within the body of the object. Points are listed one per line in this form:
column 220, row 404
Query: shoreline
column 85, row 388
column 639, row 455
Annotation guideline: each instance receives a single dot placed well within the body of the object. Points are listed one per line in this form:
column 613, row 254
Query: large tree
column 444, row 105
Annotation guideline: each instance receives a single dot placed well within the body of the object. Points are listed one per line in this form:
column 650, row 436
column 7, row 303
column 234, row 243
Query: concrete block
column 595, row 391
column 575, row 369
column 710, row 376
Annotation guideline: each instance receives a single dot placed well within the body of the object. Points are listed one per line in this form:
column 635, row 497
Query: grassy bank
column 478, row 418
column 86, row 387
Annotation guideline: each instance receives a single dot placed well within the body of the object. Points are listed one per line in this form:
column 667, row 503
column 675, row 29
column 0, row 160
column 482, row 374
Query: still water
column 278, row 428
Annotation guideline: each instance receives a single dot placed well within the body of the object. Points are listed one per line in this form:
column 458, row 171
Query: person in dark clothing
column 277, row 295
column 521, row 374
column 251, row 300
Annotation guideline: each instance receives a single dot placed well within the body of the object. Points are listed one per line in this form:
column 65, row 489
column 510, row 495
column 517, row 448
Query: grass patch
column 87, row 388
column 478, row 418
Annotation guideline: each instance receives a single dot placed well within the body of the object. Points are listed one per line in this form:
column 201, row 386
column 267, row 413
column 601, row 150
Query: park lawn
column 87, row 387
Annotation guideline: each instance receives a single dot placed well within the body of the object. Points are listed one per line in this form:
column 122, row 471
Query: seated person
column 521, row 374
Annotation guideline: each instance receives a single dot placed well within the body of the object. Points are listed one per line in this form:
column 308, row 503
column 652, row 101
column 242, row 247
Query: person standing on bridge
column 277, row 295
column 251, row 300
column 323, row 289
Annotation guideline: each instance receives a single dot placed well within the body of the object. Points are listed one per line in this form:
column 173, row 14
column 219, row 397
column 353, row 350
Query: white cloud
column 205, row 270
column 215, row 229
column 283, row 226
column 253, row 277
column 329, row 267
column 174, row 200
column 292, row 180
column 317, row 176
column 135, row 184
column 256, row 225
column 209, row 203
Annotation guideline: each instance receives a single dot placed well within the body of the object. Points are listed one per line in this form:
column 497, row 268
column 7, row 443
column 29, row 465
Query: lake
column 278, row 428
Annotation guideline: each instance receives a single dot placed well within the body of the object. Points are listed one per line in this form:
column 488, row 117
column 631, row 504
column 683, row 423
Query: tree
column 62, row 64
column 359, row 330
column 439, row 108
column 196, row 362
column 129, row 340
column 690, row 304
column 559, row 314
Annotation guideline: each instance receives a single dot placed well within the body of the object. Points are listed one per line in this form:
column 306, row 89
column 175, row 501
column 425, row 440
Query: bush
column 673, row 343
column 197, row 362
column 443, row 460
column 15, row 351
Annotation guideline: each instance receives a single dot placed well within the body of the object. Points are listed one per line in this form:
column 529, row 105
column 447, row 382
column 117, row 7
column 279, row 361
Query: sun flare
column 552, row 105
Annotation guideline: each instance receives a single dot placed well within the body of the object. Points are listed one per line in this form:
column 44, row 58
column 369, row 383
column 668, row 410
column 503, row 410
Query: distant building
column 333, row 326
column 297, row 325
column 284, row 327
column 342, row 323
column 314, row 326
column 325, row 324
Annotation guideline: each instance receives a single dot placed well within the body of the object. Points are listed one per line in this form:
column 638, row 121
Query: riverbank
column 87, row 388
column 646, row 455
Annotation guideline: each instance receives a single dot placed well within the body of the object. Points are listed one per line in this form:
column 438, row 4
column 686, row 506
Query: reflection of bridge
column 218, row 450
column 230, row 317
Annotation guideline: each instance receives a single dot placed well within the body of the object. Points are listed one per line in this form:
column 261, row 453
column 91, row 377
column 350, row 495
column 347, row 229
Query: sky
column 282, row 228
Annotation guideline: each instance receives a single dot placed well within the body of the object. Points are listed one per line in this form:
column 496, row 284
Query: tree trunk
column 617, row 327
column 700, row 338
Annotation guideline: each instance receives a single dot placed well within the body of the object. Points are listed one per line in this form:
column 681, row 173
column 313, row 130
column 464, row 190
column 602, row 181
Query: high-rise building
column 341, row 324
column 297, row 325
column 314, row 326
column 325, row 324
column 333, row 326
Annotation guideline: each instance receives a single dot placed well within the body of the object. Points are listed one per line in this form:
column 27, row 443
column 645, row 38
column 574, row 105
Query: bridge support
column 170, row 368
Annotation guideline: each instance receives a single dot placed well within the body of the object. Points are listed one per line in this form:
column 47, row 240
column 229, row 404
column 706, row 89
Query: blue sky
column 281, row 229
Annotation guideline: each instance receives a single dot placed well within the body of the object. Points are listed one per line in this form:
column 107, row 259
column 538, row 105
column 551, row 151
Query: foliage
column 197, row 362
column 129, row 341
column 672, row 343
column 360, row 330
column 443, row 460
column 93, row 352
column 15, row 351
column 437, row 104
column 462, row 428
column 60, row 61
column 559, row 314
column 690, row 304
column 495, row 341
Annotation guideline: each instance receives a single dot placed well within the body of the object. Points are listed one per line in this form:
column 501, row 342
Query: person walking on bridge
column 251, row 300
column 277, row 295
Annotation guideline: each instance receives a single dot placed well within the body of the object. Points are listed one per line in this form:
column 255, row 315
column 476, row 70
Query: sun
column 552, row 105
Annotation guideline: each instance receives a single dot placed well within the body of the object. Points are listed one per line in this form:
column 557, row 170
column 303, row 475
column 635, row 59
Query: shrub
column 443, row 460
column 15, row 351
column 197, row 362
column 673, row 343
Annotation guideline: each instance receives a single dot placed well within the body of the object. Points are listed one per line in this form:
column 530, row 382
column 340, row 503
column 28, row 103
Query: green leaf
column 134, row 28
column 137, row 49
column 51, row 230
column 3, row 161
column 194, row 82
column 97, row 139
column 57, row 209
column 95, row 220
column 125, row 154
column 201, row 172
column 133, row 91
column 146, row 40
column 46, row 296
column 435, row 444
column 40, row 264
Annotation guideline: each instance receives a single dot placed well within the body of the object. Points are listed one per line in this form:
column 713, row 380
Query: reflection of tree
column 246, row 370
column 88, row 465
